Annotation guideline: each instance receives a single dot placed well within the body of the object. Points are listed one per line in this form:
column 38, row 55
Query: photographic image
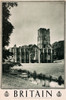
column 33, row 45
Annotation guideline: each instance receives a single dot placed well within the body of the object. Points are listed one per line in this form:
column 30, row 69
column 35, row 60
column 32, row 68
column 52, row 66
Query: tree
column 7, row 27
column 58, row 48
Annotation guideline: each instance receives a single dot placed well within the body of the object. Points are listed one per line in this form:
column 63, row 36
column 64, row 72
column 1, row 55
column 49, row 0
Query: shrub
column 50, row 78
column 44, row 76
column 20, row 70
column 60, row 80
column 34, row 75
column 40, row 76
column 28, row 74
column 5, row 68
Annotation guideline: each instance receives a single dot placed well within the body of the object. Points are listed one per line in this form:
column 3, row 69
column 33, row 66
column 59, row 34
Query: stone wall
column 43, row 37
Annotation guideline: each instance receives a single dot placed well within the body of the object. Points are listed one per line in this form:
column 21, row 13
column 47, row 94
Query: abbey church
column 40, row 53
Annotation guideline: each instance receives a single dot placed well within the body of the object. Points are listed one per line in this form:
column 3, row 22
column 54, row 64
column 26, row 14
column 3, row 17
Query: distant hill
column 58, row 50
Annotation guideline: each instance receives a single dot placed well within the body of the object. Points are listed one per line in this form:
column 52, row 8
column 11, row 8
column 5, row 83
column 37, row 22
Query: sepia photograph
column 33, row 45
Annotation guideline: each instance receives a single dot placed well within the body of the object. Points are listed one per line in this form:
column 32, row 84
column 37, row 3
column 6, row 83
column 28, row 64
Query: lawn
column 54, row 69
column 12, row 81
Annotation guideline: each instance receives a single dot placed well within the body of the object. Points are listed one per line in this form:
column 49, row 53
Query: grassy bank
column 14, row 81
column 10, row 81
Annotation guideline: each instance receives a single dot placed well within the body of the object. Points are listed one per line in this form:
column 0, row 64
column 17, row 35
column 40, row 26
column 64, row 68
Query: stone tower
column 43, row 37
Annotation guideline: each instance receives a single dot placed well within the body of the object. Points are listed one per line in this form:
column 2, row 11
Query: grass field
column 54, row 69
column 12, row 82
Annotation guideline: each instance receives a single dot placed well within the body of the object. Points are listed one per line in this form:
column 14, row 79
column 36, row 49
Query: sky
column 28, row 17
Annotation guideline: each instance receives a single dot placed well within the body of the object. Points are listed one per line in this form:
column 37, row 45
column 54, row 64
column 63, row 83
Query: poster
column 32, row 50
